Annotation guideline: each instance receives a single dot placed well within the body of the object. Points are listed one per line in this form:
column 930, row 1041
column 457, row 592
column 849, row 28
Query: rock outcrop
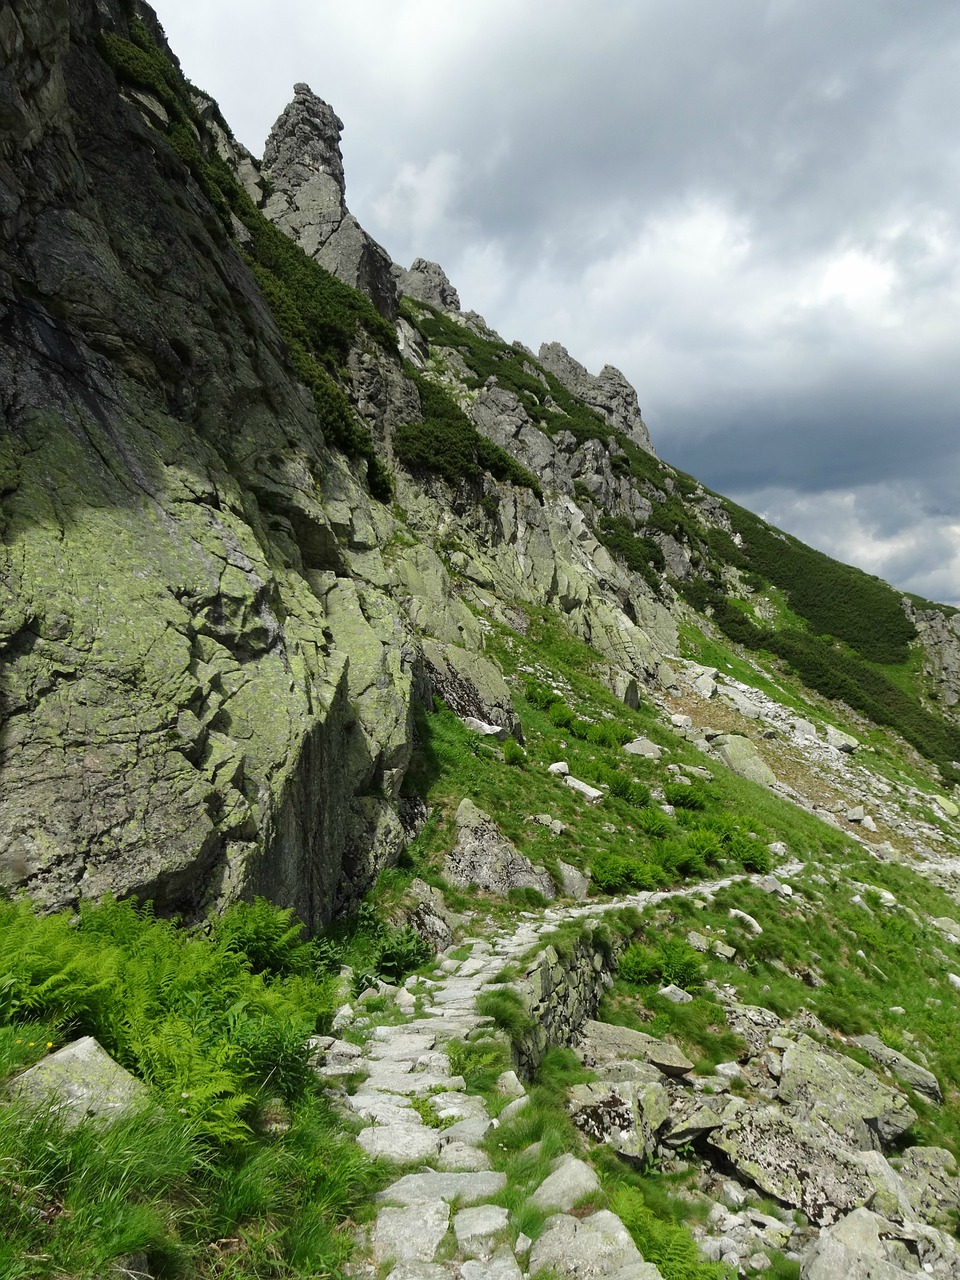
column 303, row 164
column 427, row 282
column 608, row 392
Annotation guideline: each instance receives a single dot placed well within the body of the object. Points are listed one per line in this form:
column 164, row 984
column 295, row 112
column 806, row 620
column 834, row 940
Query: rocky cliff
column 250, row 522
column 213, row 635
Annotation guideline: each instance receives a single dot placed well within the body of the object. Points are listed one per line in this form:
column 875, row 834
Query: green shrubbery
column 671, row 961
column 447, row 443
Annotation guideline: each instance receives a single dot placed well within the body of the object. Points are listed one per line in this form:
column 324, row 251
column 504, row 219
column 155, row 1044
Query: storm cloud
column 749, row 207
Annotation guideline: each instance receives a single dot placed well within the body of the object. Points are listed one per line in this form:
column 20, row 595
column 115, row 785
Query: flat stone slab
column 81, row 1082
column 410, row 1234
column 581, row 1249
column 570, row 1182
column 383, row 1108
column 502, row 1266
column 424, row 1188
column 401, row 1046
column 400, row 1143
column 477, row 1230
column 471, row 1131
column 460, row 1157
column 417, row 1084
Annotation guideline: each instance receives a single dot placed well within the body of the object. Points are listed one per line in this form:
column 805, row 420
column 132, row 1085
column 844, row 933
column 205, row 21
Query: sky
column 751, row 207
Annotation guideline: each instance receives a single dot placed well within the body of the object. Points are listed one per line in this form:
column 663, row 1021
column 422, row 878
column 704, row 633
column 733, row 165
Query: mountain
column 299, row 558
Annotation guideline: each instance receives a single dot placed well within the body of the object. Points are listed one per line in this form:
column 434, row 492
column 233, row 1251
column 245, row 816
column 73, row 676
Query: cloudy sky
column 751, row 207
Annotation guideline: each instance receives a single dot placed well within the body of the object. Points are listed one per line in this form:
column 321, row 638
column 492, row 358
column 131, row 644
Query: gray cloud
column 749, row 207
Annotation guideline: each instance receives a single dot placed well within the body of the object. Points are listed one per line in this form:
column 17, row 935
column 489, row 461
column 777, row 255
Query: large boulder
column 583, row 1249
column 802, row 1163
column 625, row 1115
column 740, row 755
column 846, row 1096
column 484, row 857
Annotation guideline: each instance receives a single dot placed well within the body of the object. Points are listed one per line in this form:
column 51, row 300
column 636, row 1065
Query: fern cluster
column 186, row 1013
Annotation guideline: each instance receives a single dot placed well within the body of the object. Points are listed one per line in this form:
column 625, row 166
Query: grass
column 215, row 1025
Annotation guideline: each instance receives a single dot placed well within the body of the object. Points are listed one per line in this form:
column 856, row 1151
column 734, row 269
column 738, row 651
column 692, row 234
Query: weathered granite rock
column 816, row 1082
column 471, row 685
column 609, row 392
column 479, row 1230
column 570, row 1182
column 410, row 1234
column 602, row 1042
column 425, row 1188
column 80, row 1082
column 802, row 1163
column 842, row 741
column 930, row 1176
column 426, row 282
column 484, row 857
column 581, row 1249
column 627, row 1115
column 852, row 1248
column 911, row 1073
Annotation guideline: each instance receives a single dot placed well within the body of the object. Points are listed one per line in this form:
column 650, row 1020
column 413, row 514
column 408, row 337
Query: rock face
column 304, row 165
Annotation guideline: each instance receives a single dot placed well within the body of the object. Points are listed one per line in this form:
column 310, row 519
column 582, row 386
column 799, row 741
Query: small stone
column 681, row 722
column 643, row 747
column 590, row 794
column 559, row 767
column 508, row 1085
column 676, row 995
column 523, row 1244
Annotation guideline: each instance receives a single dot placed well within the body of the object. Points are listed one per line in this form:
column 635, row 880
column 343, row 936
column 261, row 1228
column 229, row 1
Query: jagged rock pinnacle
column 304, row 164
column 427, row 282
column 608, row 392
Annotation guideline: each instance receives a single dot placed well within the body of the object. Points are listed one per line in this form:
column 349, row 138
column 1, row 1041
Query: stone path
column 408, row 1062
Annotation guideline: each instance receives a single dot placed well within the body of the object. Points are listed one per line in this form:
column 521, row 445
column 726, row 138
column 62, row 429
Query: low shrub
column 671, row 960
column 682, row 796
column 614, row 873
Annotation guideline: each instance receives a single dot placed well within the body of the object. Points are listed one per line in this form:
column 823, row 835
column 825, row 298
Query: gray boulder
column 904, row 1068
column 626, row 1115
column 427, row 282
column 740, row 755
column 848, row 1097
column 803, row 1164
column 581, row 1249
column 80, row 1082
column 570, row 1181
column 485, row 857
